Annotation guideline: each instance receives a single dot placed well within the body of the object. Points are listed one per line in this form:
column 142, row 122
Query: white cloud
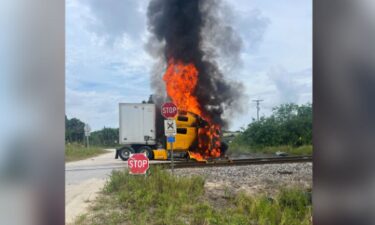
column 114, row 18
column 275, row 86
column 290, row 86
column 97, row 109
column 279, row 69
column 99, row 75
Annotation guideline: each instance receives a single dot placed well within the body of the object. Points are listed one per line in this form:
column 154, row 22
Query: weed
column 75, row 151
column 163, row 199
column 302, row 150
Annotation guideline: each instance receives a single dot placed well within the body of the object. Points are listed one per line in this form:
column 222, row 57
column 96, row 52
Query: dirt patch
column 79, row 197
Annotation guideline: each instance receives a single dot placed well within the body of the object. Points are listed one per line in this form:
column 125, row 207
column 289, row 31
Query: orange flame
column 197, row 156
column 181, row 80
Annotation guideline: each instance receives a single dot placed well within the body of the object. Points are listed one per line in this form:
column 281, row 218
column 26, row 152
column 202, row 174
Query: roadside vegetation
column 287, row 129
column 290, row 150
column 74, row 133
column 160, row 198
column 76, row 151
column 75, row 140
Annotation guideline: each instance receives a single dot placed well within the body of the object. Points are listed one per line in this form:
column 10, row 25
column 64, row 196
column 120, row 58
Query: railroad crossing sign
column 138, row 163
column 170, row 128
column 87, row 129
column 169, row 110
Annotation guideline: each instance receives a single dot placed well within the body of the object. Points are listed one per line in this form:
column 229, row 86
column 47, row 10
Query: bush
column 289, row 125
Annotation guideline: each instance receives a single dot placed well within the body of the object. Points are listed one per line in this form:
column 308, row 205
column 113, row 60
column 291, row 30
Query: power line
column 258, row 108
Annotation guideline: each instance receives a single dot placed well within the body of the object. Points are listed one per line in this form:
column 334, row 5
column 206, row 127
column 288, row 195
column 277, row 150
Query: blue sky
column 106, row 61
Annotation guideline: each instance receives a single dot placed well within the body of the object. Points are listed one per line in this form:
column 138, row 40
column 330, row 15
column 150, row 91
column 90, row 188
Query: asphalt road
column 96, row 167
column 84, row 179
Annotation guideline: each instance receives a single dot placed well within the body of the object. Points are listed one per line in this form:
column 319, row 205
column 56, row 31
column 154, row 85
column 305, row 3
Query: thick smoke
column 194, row 31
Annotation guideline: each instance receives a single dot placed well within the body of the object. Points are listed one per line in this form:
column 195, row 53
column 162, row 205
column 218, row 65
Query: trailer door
column 131, row 123
column 149, row 123
column 137, row 123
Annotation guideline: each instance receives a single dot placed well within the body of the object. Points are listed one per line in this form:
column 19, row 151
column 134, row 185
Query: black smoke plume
column 186, row 30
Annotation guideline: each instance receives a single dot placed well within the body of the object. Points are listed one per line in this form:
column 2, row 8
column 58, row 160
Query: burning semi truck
column 187, row 40
column 138, row 134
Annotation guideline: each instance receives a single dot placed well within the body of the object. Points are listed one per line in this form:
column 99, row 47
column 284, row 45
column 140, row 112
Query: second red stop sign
column 169, row 110
column 138, row 163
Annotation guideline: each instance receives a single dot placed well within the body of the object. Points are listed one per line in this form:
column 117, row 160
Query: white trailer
column 137, row 130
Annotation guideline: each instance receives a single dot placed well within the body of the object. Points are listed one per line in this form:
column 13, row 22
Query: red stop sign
column 138, row 163
column 169, row 110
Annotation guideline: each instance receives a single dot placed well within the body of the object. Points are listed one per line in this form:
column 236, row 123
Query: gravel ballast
column 253, row 179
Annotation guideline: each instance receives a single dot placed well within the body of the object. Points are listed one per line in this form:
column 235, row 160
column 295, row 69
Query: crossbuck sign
column 87, row 129
column 170, row 128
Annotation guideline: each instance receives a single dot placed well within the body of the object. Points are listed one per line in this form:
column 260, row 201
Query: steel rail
column 214, row 163
column 239, row 162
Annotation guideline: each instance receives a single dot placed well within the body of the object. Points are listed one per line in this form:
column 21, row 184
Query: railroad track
column 239, row 162
column 214, row 163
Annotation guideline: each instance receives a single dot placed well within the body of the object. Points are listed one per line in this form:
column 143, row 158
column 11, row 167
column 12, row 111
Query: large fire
column 181, row 81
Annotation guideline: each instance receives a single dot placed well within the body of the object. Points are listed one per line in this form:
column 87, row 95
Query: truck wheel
column 146, row 150
column 223, row 149
column 125, row 153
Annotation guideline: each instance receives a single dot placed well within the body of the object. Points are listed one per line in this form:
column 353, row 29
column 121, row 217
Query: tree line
column 74, row 133
column 289, row 124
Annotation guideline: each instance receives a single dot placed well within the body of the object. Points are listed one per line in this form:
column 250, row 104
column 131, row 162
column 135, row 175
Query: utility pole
column 258, row 108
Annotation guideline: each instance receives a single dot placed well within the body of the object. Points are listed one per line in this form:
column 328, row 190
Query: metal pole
column 258, row 108
column 172, row 164
column 88, row 142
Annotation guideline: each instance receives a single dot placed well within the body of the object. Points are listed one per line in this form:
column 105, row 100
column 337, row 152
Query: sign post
column 171, row 139
column 87, row 134
column 172, row 161
column 169, row 111
column 170, row 131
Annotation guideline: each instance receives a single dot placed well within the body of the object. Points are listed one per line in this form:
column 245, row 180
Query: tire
column 125, row 152
column 223, row 149
column 148, row 151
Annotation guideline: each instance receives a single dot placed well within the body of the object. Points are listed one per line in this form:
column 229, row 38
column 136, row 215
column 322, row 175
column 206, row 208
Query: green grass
column 74, row 152
column 302, row 150
column 163, row 199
